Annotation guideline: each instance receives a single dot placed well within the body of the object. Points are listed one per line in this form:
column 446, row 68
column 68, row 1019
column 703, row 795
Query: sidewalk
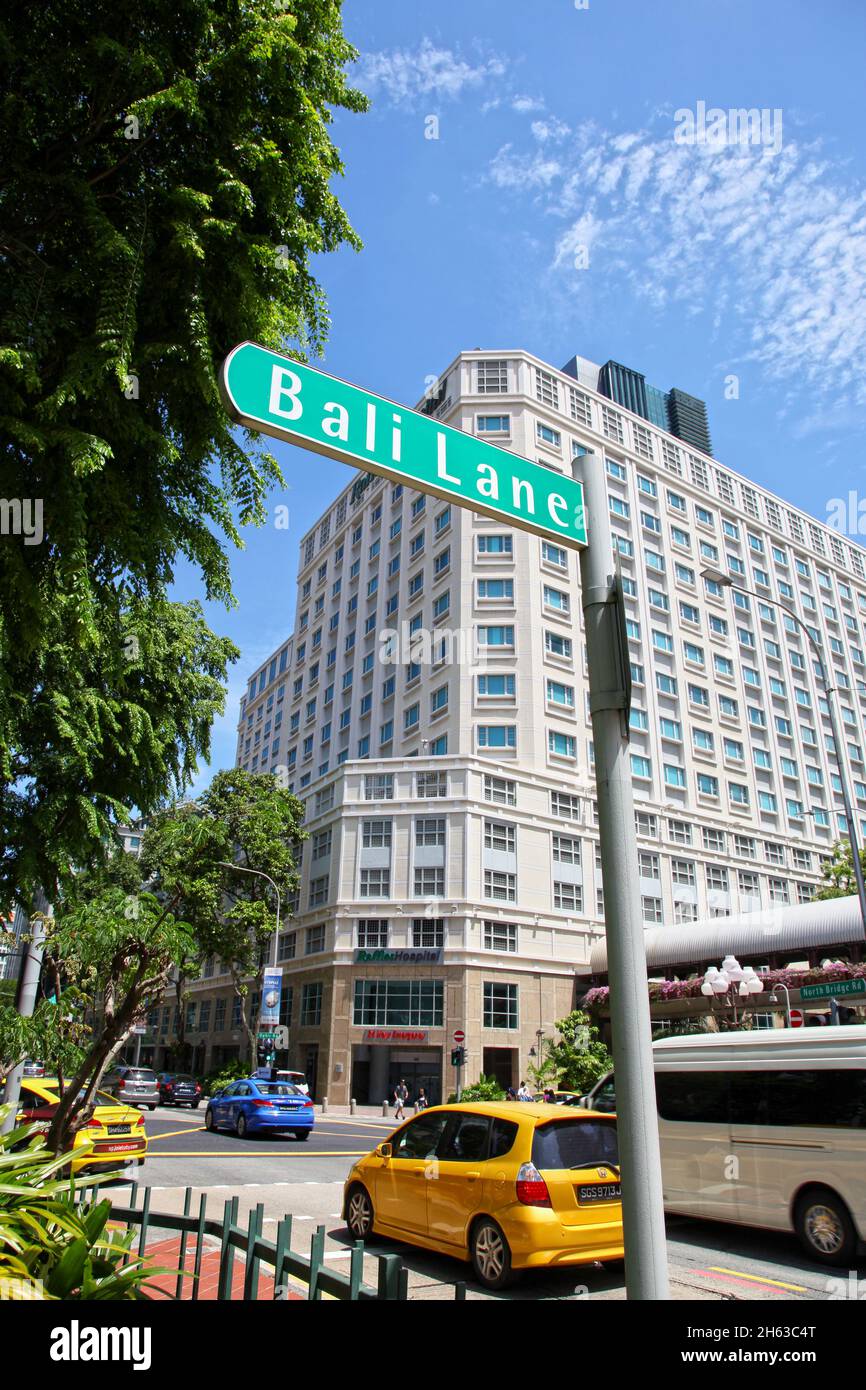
column 366, row 1112
column 166, row 1254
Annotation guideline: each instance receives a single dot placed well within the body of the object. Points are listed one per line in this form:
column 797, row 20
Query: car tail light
column 94, row 1124
column 269, row 1103
column 197, row 1089
column 140, row 1121
column 308, row 1103
column 531, row 1187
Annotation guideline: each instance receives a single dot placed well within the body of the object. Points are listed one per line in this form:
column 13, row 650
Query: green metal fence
column 307, row 1271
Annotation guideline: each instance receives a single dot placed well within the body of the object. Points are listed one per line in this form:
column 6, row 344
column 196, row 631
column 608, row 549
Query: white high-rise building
column 431, row 710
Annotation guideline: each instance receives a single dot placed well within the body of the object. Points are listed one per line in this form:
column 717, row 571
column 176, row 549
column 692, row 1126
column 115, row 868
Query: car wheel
column 825, row 1228
column 150, row 1107
column 491, row 1257
column 359, row 1213
column 241, row 1128
column 194, row 1105
column 208, row 1119
column 302, row 1134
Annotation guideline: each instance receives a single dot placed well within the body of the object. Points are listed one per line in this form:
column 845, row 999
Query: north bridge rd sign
column 275, row 395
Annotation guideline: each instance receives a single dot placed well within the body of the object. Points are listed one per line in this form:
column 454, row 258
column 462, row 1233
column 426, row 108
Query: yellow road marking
column 355, row 1134
column 173, row 1133
column 758, row 1279
column 265, row 1153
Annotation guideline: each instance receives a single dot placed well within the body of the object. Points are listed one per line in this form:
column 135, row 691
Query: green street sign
column 833, row 991
column 271, row 393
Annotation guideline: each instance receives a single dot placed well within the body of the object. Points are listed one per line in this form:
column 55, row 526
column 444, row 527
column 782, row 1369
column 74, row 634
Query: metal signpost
column 271, row 393
column 458, row 1057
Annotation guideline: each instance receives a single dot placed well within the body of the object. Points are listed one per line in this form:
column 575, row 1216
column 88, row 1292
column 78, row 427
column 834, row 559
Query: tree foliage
column 579, row 1057
column 245, row 819
column 838, row 872
column 122, row 928
column 485, row 1088
column 166, row 184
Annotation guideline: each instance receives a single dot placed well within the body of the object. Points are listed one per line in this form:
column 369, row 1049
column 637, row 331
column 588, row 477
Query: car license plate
column 590, row 1192
column 117, row 1129
column 119, row 1148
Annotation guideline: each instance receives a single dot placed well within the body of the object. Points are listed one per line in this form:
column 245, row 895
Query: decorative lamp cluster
column 732, row 975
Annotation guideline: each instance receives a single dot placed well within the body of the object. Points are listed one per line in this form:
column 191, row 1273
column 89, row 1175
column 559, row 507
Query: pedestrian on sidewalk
column 401, row 1095
column 421, row 1102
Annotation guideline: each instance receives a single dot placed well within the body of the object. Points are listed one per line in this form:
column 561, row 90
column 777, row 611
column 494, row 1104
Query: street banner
column 271, row 989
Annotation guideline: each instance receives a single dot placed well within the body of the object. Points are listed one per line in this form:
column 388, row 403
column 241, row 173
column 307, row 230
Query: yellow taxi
column 508, row 1185
column 116, row 1131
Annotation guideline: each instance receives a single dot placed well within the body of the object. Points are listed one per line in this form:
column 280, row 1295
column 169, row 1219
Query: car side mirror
column 383, row 1150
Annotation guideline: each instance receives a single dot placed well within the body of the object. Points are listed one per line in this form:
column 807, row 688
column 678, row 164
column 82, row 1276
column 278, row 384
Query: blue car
column 253, row 1106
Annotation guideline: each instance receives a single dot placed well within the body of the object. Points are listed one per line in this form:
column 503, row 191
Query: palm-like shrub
column 53, row 1246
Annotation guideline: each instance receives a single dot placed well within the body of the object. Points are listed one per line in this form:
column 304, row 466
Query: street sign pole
column 637, row 1122
column 271, row 393
column 26, row 1000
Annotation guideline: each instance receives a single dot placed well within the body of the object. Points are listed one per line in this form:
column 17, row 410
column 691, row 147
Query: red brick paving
column 166, row 1253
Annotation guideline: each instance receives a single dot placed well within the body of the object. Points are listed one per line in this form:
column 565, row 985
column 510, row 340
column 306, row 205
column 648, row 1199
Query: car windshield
column 186, row 1080
column 575, row 1144
column 277, row 1088
column 139, row 1074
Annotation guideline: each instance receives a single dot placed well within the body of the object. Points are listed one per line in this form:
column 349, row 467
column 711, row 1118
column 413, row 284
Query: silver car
column 134, row 1085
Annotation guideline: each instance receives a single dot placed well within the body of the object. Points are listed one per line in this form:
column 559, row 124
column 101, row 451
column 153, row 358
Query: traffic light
column 263, row 1050
column 458, row 1056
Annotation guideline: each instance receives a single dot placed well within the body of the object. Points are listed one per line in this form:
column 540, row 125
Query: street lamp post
column 787, row 1000
column 719, row 577
column 242, row 869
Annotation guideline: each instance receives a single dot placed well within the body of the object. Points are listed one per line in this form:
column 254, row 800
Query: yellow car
column 116, row 1131
column 509, row 1185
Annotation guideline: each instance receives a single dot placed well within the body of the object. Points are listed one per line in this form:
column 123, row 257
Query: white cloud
column 526, row 105
column 551, row 129
column 404, row 76
column 770, row 247
column 508, row 170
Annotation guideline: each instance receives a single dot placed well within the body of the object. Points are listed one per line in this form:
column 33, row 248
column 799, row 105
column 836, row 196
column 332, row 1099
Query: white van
column 766, row 1128
column 297, row 1078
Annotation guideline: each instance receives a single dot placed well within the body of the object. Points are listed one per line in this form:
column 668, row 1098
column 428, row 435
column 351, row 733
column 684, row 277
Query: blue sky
column 555, row 211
